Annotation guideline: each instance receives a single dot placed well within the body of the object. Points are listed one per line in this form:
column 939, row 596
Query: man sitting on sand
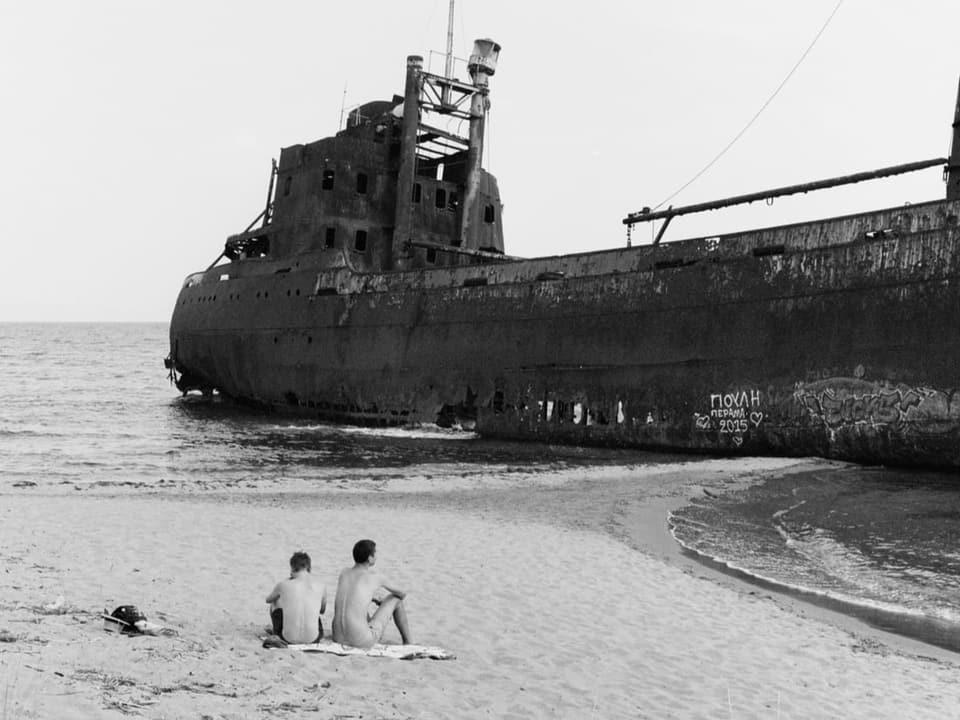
column 352, row 625
column 297, row 603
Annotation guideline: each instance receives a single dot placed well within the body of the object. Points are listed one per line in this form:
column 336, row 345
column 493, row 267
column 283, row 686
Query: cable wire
column 758, row 113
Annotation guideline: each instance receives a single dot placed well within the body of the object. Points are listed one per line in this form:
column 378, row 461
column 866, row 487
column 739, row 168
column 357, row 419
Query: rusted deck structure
column 376, row 291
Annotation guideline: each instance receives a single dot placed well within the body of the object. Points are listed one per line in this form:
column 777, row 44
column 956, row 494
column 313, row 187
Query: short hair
column 363, row 550
column 299, row 561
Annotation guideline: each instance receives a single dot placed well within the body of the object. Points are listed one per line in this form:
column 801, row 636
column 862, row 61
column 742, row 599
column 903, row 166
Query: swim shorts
column 377, row 627
column 276, row 618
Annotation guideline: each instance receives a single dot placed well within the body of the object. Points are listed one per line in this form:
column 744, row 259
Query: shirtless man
column 297, row 603
column 352, row 623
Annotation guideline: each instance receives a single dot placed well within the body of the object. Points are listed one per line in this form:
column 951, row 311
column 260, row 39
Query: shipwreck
column 374, row 288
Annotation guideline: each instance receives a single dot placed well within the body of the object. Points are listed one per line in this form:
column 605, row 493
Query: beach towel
column 397, row 652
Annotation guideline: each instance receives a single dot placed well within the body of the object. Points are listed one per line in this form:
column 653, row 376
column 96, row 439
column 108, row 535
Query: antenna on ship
column 343, row 105
column 448, row 64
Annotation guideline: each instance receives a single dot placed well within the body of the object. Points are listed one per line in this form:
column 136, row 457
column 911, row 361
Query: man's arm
column 392, row 588
column 274, row 594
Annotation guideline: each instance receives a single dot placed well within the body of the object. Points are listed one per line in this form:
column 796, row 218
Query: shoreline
column 643, row 524
column 562, row 594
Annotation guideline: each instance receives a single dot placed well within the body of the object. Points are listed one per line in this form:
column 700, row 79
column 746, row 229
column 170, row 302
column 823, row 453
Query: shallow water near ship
column 89, row 404
column 880, row 544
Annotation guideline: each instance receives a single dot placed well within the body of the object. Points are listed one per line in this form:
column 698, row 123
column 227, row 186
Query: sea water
column 91, row 404
column 882, row 544
column 84, row 405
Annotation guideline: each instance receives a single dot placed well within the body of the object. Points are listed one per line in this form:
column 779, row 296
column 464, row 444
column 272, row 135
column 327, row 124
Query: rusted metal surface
column 836, row 338
column 839, row 342
column 439, row 247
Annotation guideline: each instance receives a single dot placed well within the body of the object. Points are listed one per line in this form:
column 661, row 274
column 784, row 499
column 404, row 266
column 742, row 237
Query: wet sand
column 561, row 595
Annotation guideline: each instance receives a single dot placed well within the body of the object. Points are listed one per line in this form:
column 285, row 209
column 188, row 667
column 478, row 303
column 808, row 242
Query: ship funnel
column 482, row 64
column 483, row 60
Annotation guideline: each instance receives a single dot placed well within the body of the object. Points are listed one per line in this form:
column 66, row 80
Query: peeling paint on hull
column 836, row 338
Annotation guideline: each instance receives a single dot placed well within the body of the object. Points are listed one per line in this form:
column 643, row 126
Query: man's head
column 299, row 561
column 363, row 551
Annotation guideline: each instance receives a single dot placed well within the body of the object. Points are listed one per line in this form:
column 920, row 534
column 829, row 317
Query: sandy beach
column 561, row 597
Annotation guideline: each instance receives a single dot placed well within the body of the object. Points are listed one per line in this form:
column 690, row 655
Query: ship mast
column 448, row 65
column 953, row 164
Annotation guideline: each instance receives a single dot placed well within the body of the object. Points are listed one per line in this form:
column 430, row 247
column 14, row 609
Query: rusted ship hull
column 836, row 338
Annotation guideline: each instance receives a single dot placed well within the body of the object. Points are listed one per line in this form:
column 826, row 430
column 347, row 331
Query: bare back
column 302, row 599
column 355, row 591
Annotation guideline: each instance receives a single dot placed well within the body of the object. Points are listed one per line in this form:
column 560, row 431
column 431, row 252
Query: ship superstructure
column 376, row 290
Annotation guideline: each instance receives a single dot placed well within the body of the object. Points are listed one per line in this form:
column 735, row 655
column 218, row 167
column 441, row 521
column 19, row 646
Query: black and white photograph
column 446, row 359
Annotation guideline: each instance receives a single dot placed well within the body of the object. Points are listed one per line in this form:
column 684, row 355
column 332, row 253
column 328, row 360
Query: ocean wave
column 420, row 432
column 849, row 602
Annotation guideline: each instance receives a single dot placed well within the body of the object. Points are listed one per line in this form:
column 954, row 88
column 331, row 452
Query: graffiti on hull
column 844, row 402
column 732, row 413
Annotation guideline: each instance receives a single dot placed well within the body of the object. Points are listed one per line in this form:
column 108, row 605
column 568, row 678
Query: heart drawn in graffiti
column 703, row 422
column 737, row 440
column 756, row 418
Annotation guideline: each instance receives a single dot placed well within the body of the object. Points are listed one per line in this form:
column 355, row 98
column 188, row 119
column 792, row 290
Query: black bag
column 128, row 615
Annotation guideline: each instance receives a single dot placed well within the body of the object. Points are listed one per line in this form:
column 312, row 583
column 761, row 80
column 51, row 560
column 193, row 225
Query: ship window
column 362, row 183
column 440, row 169
column 360, row 241
column 440, row 200
column 327, row 183
column 417, row 192
column 431, row 255
column 331, row 238
column 488, row 214
column 454, row 201
column 286, row 185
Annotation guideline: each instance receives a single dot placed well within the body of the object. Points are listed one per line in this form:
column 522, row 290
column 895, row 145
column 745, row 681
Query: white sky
column 135, row 136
